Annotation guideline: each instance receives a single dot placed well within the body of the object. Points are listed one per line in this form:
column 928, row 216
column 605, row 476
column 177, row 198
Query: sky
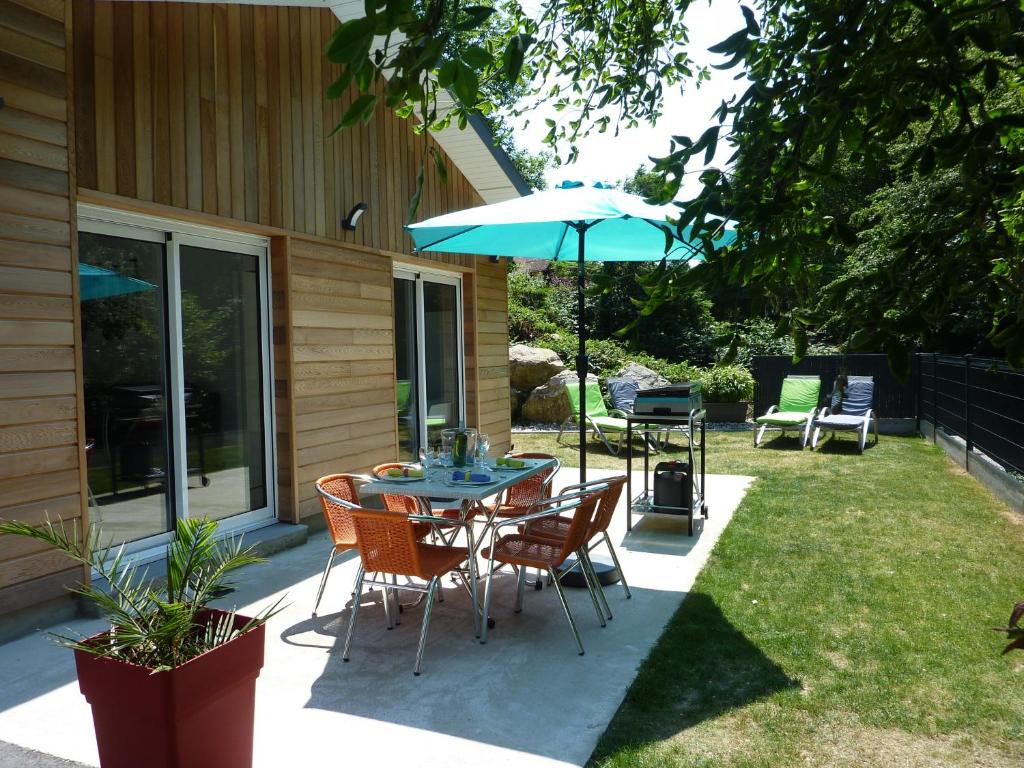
column 609, row 158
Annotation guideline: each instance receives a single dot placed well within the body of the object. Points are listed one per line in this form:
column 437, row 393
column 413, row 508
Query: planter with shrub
column 726, row 391
column 172, row 682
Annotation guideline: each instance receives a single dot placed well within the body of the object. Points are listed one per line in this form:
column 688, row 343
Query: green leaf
column 349, row 40
column 731, row 44
column 339, row 86
column 439, row 165
column 466, row 85
column 475, row 16
column 359, row 111
column 447, row 73
column 414, row 203
column 477, row 57
column 748, row 16
column 512, row 59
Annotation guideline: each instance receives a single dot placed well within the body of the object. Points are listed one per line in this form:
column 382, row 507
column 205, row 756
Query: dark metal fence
column 893, row 399
column 980, row 400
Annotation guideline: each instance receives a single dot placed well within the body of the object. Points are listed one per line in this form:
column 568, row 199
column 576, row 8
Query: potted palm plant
column 172, row 682
column 726, row 391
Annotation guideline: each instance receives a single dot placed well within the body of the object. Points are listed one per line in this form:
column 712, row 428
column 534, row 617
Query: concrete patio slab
column 525, row 698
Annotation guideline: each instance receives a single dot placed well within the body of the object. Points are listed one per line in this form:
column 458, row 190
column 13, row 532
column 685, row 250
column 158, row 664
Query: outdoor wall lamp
column 349, row 222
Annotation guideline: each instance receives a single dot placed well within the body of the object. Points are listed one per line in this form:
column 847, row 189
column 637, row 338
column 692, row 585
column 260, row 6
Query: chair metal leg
column 355, row 612
column 487, row 602
column 323, row 579
column 597, row 591
column 431, row 590
column 806, row 435
column 398, row 603
column 520, row 588
column 565, row 607
column 759, row 435
column 814, row 438
column 615, row 560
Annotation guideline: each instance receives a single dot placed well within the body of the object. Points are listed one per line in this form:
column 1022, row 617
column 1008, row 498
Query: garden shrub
column 726, row 384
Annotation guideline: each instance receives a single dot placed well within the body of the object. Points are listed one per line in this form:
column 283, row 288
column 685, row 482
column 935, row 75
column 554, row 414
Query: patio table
column 436, row 484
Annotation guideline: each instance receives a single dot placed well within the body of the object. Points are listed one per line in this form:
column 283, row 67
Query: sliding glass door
column 175, row 337
column 428, row 357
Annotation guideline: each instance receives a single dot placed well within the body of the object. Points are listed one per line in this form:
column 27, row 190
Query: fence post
column 967, row 412
column 935, row 398
column 917, row 391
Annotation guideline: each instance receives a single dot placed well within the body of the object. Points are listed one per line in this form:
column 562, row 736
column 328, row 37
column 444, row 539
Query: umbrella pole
column 581, row 357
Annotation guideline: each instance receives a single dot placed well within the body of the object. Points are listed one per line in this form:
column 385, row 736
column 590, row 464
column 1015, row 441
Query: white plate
column 500, row 468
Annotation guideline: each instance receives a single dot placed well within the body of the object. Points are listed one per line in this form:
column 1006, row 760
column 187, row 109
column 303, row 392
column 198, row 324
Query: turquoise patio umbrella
column 102, row 283
column 572, row 222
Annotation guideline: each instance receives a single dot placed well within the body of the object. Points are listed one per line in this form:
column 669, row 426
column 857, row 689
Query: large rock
column 516, row 399
column 549, row 404
column 529, row 367
column 644, row 377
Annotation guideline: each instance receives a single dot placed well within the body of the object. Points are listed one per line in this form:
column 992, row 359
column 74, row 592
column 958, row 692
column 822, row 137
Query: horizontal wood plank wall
column 40, row 458
column 220, row 109
column 343, row 375
column 492, row 350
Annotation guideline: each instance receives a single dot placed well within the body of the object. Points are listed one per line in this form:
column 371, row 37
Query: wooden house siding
column 41, row 448
column 238, row 127
column 492, row 350
column 211, row 114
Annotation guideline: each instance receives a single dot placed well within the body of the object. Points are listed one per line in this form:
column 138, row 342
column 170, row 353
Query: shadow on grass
column 840, row 445
column 702, row 667
column 783, row 443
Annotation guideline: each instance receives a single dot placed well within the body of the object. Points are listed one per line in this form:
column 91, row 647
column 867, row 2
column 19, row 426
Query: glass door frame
column 174, row 234
column 418, row 275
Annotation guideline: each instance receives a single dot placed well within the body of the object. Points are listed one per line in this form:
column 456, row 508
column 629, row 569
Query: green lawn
column 843, row 619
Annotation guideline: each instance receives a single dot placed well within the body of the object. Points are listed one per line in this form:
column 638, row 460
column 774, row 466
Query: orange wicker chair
column 544, row 553
column 388, row 546
column 399, row 503
column 338, row 497
column 521, row 498
column 557, row 528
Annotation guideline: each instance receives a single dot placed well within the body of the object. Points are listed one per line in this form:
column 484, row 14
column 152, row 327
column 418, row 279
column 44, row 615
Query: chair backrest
column 595, row 402
column 622, row 393
column 607, row 504
column 528, row 492
column 800, row 393
column 579, row 530
column 338, row 516
column 394, row 501
column 387, row 543
column 859, row 396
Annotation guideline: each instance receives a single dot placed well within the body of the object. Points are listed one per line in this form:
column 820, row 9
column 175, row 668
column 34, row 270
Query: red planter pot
column 197, row 715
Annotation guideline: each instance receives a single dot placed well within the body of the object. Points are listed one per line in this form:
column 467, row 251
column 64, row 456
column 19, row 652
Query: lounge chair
column 854, row 406
column 795, row 411
column 601, row 421
column 622, row 393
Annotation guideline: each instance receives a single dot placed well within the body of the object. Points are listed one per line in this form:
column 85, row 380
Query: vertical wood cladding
column 220, row 109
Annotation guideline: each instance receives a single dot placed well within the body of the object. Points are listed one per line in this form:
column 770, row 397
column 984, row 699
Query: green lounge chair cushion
column 613, row 424
column 799, row 395
column 783, row 418
column 595, row 402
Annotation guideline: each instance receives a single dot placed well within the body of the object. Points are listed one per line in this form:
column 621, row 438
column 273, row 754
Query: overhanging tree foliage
column 830, row 79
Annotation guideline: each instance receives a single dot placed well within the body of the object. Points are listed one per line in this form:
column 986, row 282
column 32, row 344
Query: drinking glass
column 483, row 445
column 426, row 458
